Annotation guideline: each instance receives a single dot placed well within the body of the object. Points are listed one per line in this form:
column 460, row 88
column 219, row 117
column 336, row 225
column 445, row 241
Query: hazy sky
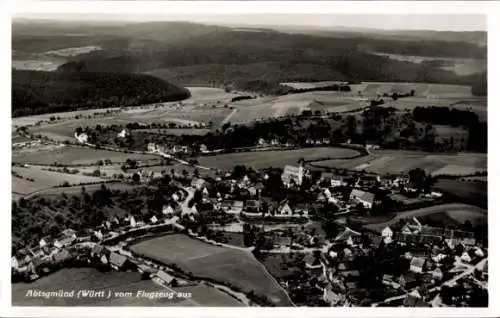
column 391, row 22
column 395, row 13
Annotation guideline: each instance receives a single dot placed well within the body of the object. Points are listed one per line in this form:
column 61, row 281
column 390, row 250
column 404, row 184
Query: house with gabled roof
column 363, row 197
column 153, row 219
column 119, row 262
column 164, row 277
column 64, row 242
column 292, row 175
column 312, row 262
column 346, row 234
column 417, row 264
column 284, row 209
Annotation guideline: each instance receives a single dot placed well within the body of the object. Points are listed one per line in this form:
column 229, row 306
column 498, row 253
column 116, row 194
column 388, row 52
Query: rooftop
column 363, row 195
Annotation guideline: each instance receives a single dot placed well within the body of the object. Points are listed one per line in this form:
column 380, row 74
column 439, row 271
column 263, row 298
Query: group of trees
column 37, row 92
column 478, row 130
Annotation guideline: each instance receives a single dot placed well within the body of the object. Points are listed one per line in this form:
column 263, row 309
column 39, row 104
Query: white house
column 284, row 209
column 417, row 264
column 327, row 193
column 167, row 209
column 98, row 235
column 365, row 198
column 152, row 147
column 14, row 263
column 387, row 232
column 465, row 257
column 82, row 138
column 479, row 252
column 133, row 223
column 153, row 219
column 42, row 243
column 122, row 134
column 203, row 148
column 292, row 175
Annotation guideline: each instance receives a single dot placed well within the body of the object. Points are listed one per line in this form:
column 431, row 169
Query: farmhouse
column 365, row 198
column 292, row 176
column 119, row 262
column 164, row 278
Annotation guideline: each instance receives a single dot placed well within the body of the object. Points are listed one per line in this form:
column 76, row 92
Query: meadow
column 91, row 279
column 69, row 155
column 187, row 115
column 267, row 159
column 45, row 179
column 231, row 266
column 395, row 162
column 456, row 211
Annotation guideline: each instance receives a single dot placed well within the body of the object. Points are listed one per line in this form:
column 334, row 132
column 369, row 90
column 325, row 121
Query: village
column 407, row 263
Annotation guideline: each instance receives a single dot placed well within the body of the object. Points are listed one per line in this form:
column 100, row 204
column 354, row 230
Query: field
column 91, row 279
column 267, row 159
column 89, row 188
column 186, row 115
column 394, row 162
column 468, row 192
column 77, row 156
column 236, row 267
column 310, row 85
column 177, row 131
column 458, row 212
column 208, row 94
column 44, row 179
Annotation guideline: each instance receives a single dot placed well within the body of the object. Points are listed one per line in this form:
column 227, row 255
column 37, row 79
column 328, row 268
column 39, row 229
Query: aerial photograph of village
column 216, row 163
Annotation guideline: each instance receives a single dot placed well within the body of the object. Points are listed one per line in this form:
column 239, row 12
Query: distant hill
column 237, row 57
column 191, row 53
column 35, row 92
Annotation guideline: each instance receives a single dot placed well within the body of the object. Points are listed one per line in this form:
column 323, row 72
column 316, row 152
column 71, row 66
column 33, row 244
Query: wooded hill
column 37, row 92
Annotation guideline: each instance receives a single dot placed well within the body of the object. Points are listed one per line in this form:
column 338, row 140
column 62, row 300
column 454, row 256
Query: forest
column 259, row 61
column 37, row 92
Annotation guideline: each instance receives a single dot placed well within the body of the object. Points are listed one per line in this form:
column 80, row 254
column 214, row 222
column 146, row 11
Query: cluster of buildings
column 416, row 275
